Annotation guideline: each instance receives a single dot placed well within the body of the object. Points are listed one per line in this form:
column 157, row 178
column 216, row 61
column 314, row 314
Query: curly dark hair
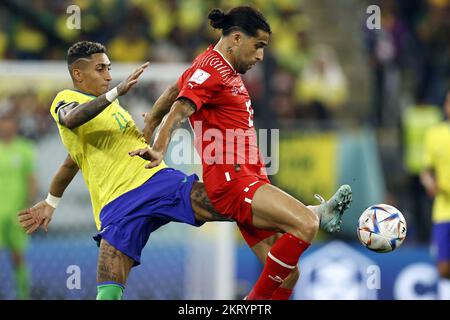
column 83, row 49
column 244, row 18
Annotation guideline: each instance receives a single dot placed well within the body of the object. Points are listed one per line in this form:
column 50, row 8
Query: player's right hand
column 132, row 79
column 155, row 157
column 39, row 215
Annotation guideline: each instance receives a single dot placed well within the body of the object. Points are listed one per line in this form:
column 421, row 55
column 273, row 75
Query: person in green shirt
column 17, row 191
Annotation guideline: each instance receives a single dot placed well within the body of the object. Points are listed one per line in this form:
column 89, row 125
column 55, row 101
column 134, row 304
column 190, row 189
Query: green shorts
column 12, row 236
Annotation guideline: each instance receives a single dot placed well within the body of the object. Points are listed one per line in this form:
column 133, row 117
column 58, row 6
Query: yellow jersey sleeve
column 67, row 97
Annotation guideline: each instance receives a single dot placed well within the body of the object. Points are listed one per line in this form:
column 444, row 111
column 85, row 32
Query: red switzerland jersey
column 223, row 122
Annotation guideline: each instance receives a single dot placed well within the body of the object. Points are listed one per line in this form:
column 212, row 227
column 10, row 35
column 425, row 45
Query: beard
column 242, row 69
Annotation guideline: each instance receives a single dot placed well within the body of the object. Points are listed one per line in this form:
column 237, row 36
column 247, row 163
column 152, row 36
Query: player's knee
column 308, row 226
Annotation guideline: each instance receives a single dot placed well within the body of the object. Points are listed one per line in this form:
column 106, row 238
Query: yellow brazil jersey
column 437, row 157
column 100, row 149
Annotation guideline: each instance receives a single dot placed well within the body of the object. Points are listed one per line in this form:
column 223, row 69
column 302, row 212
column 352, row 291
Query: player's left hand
column 155, row 157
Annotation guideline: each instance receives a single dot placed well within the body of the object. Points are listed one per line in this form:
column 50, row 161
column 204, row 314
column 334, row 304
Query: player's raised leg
column 330, row 217
column 274, row 209
column 113, row 269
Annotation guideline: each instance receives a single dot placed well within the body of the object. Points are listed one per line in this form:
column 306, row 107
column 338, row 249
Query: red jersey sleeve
column 199, row 84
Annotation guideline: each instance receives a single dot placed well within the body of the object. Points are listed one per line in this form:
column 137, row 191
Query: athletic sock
column 282, row 294
column 281, row 259
column 109, row 291
column 21, row 274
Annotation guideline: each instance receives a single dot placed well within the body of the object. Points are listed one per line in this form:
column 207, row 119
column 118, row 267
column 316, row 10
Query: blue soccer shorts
column 441, row 241
column 128, row 221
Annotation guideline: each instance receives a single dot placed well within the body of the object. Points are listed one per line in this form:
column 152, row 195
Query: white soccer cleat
column 330, row 212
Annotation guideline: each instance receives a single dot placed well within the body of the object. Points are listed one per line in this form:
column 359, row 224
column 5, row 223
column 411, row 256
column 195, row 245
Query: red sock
column 282, row 294
column 282, row 258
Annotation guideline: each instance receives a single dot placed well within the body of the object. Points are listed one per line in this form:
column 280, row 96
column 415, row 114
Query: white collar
column 224, row 59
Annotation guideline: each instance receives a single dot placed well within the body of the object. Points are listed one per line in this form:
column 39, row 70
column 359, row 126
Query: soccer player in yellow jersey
column 436, row 179
column 129, row 202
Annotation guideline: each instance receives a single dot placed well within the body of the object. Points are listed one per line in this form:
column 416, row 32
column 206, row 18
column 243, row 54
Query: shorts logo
column 104, row 229
column 199, row 76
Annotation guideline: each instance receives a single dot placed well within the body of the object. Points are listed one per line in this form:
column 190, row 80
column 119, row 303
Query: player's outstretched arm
column 41, row 214
column 429, row 182
column 72, row 115
column 179, row 112
column 159, row 110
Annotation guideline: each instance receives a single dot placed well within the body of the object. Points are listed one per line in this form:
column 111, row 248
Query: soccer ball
column 381, row 228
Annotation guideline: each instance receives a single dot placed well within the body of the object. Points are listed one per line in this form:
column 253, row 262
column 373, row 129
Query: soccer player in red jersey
column 212, row 95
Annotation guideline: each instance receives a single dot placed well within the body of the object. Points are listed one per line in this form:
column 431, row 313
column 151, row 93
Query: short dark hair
column 244, row 18
column 83, row 49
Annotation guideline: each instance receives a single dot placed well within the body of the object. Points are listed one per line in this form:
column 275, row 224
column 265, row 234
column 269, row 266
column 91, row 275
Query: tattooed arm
column 159, row 110
column 72, row 114
column 180, row 111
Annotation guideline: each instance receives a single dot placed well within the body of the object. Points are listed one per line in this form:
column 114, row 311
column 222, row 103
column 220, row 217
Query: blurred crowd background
column 323, row 72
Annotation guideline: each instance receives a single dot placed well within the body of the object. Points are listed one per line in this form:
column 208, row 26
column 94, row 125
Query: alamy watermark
column 74, row 279
column 74, row 19
column 234, row 146
column 374, row 20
